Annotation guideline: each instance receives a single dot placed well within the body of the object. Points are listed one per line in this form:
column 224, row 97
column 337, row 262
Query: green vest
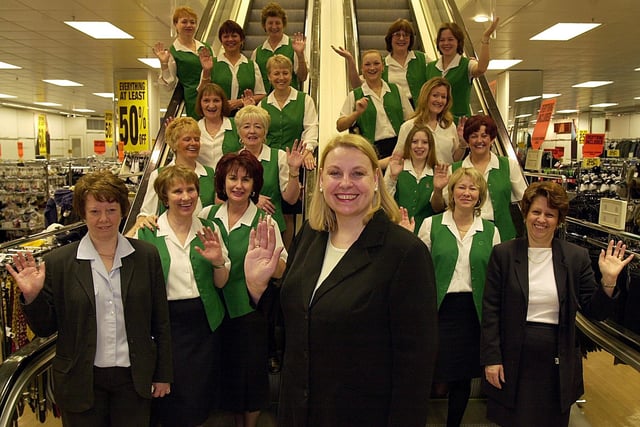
column 231, row 141
column 188, row 70
column 263, row 55
column 392, row 107
column 415, row 196
column 286, row 124
column 202, row 272
column 221, row 74
column 416, row 74
column 271, row 186
column 235, row 292
column 499, row 189
column 458, row 77
column 207, row 193
column 444, row 252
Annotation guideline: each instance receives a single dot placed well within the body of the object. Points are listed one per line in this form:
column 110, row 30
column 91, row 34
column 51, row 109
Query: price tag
column 613, row 153
column 589, row 162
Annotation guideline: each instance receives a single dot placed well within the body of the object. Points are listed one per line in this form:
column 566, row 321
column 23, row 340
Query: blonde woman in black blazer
column 102, row 376
column 358, row 299
column 534, row 287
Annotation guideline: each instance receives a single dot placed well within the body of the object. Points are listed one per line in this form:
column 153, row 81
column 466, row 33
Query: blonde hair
column 249, row 112
column 279, row 61
column 477, row 179
column 421, row 115
column 321, row 216
column 179, row 127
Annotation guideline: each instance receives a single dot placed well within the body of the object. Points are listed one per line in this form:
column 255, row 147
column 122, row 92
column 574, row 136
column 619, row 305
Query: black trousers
column 116, row 402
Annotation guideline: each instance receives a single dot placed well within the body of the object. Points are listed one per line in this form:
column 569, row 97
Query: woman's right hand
column 494, row 375
column 162, row 53
column 440, row 176
column 264, row 203
column 29, row 276
column 343, row 52
column 396, row 165
column 262, row 258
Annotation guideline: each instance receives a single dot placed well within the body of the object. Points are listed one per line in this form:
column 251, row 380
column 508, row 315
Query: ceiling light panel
column 99, row 29
column 65, row 83
column 564, row 31
column 593, row 83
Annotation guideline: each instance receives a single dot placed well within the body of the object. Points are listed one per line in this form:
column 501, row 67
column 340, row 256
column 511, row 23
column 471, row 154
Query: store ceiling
column 34, row 37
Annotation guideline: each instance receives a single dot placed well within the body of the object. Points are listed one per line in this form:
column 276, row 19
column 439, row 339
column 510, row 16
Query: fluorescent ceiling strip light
column 566, row 111
column 151, row 62
column 527, row 98
column 564, row 31
column 48, row 104
column 104, row 94
column 5, row 96
column 502, row 64
column 593, row 83
column 7, row 66
column 65, row 83
column 83, row 110
column 550, row 95
column 604, row 105
column 99, row 29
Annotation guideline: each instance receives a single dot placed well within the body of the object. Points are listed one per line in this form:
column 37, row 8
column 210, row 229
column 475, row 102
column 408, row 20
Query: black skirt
column 538, row 387
column 459, row 339
column 245, row 377
column 196, row 367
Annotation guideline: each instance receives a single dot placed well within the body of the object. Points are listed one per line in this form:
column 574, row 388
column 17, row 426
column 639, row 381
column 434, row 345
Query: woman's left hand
column 298, row 43
column 612, row 261
column 295, row 156
column 440, row 176
column 262, row 258
column 212, row 250
column 491, row 28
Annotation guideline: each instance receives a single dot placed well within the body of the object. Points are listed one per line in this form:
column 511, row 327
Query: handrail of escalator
column 19, row 369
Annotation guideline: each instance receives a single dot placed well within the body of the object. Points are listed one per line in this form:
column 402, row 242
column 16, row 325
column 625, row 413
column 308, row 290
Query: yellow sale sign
column 133, row 114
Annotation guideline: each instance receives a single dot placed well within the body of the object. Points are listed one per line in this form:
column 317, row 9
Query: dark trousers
column 116, row 402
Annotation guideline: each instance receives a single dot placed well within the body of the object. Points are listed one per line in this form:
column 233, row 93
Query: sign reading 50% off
column 133, row 114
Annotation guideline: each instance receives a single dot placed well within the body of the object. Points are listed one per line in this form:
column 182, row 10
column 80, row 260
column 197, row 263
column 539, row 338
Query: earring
column 321, row 189
column 375, row 188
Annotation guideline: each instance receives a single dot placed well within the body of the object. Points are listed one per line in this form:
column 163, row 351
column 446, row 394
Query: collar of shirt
column 366, row 90
column 283, row 41
column 390, row 61
column 265, row 153
column 494, row 163
column 271, row 99
column 408, row 166
column 454, row 63
column 165, row 230
column 180, row 47
column 87, row 251
column 246, row 219
column 222, row 58
column 447, row 219
column 199, row 170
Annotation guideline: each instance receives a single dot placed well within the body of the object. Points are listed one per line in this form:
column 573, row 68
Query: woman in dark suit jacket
column 358, row 299
column 535, row 285
column 105, row 297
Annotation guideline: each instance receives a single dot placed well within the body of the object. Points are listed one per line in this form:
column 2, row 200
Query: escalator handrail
column 18, row 369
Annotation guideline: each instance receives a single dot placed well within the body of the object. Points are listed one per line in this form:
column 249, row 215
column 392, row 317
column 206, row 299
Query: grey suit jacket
column 504, row 313
column 67, row 305
column 362, row 352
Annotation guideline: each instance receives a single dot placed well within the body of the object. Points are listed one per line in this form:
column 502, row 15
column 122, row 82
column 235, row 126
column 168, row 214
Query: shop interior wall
column 21, row 125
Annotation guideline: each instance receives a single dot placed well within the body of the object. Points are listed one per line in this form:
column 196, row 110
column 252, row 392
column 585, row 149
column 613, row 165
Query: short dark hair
column 474, row 123
column 213, row 89
column 230, row 162
column 556, row 198
column 457, row 33
column 399, row 25
column 104, row 186
column 230, row 27
column 169, row 175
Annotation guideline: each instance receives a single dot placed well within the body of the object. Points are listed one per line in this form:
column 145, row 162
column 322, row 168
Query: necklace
column 107, row 256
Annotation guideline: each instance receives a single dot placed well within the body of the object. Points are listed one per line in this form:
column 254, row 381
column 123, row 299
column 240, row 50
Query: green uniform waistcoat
column 271, row 186
column 286, row 124
column 392, row 107
column 499, row 189
column 202, row 272
column 415, row 196
column 231, row 141
column 444, row 251
column 221, row 74
column 416, row 74
column 188, row 70
column 235, row 293
column 263, row 55
column 458, row 77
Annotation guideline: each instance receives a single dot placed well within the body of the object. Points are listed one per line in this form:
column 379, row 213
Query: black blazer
column 504, row 314
column 363, row 352
column 66, row 305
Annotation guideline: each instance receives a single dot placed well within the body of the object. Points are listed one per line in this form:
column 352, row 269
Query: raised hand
column 405, row 221
column 262, row 258
column 212, row 251
column 440, row 176
column 206, row 60
column 491, row 28
column 298, row 43
column 29, row 276
column 342, row 52
column 611, row 261
column 161, row 53
column 247, row 98
column 361, row 105
column 295, row 156
column 396, row 164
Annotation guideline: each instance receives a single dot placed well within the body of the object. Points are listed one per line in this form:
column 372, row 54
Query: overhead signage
column 542, row 124
column 133, row 114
